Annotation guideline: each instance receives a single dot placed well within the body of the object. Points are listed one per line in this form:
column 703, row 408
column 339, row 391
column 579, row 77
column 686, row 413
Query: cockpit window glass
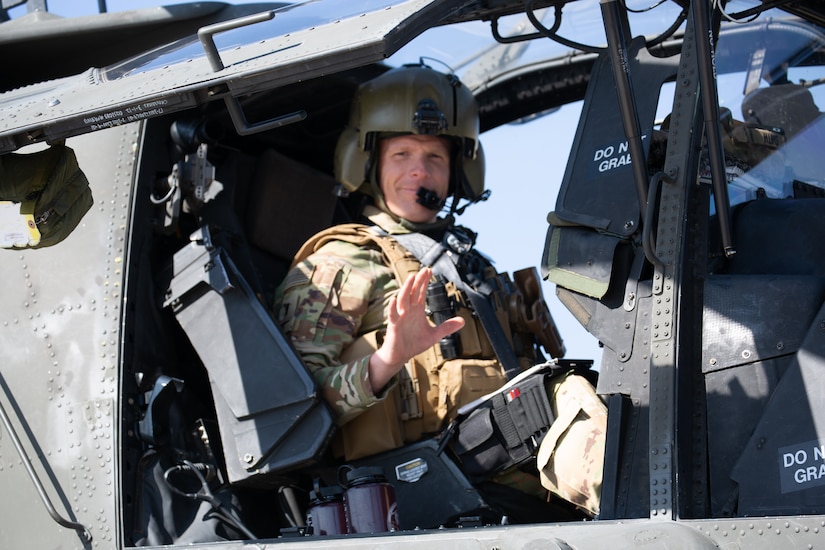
column 775, row 107
column 770, row 84
column 472, row 52
column 301, row 15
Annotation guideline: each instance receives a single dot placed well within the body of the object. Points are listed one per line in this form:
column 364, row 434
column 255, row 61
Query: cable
column 649, row 8
column 205, row 493
column 670, row 30
column 551, row 32
column 716, row 4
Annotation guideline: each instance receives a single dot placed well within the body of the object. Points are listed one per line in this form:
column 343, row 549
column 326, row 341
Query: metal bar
column 81, row 529
column 206, row 34
column 244, row 128
column 710, row 104
column 624, row 89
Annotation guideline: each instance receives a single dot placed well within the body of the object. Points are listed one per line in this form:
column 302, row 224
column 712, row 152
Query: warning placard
column 610, row 156
column 802, row 466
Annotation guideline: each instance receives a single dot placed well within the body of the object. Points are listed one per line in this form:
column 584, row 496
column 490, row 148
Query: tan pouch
column 571, row 456
column 377, row 429
column 421, row 397
column 374, row 431
column 471, row 342
column 472, row 334
column 461, row 381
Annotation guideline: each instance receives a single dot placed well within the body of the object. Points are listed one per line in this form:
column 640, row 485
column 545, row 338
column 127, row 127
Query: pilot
column 385, row 313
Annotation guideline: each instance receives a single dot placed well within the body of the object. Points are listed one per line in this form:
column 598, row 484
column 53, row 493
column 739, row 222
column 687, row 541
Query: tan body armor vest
column 430, row 388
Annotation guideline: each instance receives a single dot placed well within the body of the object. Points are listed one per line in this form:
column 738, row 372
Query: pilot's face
column 408, row 163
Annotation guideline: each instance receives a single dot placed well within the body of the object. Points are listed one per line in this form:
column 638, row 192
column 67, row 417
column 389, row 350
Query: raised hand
column 409, row 331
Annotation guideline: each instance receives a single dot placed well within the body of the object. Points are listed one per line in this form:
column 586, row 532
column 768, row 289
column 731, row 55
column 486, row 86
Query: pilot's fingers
column 449, row 326
column 392, row 310
column 401, row 299
column 420, row 285
column 413, row 292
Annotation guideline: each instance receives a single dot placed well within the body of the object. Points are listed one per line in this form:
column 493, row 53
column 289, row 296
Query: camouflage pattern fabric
column 326, row 302
column 340, row 292
column 571, row 455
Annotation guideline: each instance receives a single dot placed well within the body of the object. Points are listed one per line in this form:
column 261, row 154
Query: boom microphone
column 430, row 199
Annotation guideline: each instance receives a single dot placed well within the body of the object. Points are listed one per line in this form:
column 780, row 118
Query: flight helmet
column 412, row 99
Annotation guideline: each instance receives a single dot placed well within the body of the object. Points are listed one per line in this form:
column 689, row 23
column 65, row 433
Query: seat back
column 288, row 203
column 270, row 414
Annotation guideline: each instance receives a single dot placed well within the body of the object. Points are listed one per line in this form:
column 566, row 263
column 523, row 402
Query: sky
column 525, row 165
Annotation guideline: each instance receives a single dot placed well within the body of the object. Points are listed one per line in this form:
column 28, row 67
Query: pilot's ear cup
column 351, row 160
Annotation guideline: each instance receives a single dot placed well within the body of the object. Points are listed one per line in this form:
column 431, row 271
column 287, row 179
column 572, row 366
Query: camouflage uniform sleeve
column 325, row 303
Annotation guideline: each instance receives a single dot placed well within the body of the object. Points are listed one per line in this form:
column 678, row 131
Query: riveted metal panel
column 92, row 101
column 59, row 331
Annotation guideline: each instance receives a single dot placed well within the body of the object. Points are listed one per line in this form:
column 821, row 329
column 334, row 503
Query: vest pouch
column 472, row 334
column 570, row 459
column 462, row 381
column 504, row 430
column 377, row 429
column 480, row 446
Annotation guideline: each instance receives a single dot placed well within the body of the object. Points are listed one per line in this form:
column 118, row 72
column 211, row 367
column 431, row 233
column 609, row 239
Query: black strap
column 495, row 333
column 505, row 422
column 432, row 253
column 523, row 415
column 507, row 429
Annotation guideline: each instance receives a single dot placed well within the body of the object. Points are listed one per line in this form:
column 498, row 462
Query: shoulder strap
column 432, row 254
column 404, row 263
column 398, row 258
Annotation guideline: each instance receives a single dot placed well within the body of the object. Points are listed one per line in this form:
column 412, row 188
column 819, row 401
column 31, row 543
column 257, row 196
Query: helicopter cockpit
column 274, row 196
column 703, row 297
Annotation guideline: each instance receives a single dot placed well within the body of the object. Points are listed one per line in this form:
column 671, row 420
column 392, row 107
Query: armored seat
column 270, row 416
